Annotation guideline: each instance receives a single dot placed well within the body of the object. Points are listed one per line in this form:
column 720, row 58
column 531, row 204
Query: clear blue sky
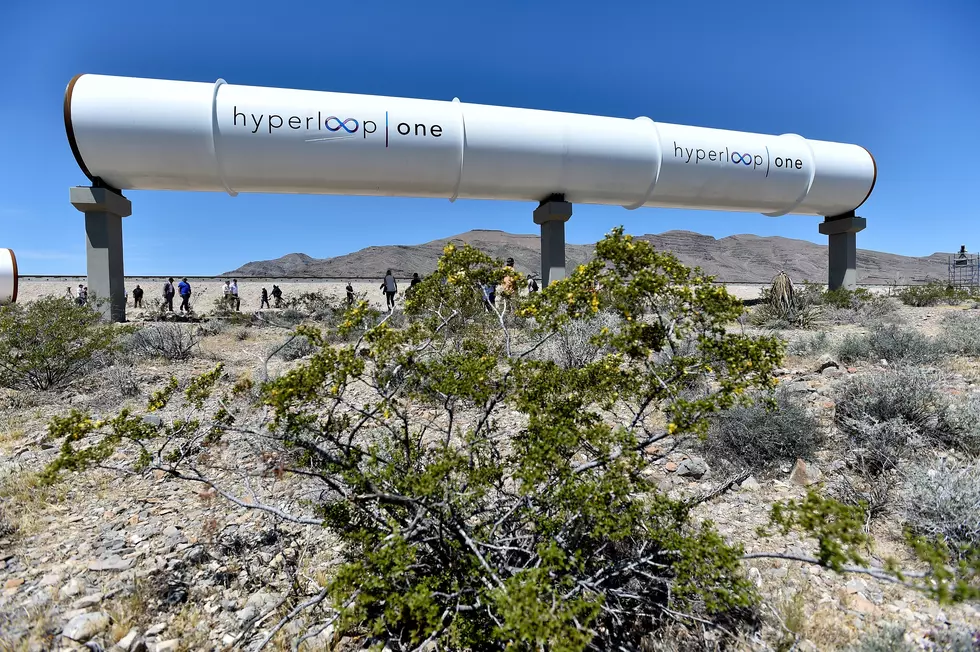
column 901, row 78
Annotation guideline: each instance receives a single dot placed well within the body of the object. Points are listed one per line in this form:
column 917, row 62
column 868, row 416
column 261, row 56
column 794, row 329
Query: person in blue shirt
column 184, row 288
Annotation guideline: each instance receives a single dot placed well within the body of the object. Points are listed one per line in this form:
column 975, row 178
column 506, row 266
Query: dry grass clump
column 170, row 340
column 761, row 436
column 942, row 501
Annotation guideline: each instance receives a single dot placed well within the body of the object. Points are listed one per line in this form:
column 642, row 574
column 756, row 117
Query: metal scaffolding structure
column 964, row 269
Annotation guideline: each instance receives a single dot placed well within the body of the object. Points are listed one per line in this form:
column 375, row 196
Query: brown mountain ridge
column 733, row 259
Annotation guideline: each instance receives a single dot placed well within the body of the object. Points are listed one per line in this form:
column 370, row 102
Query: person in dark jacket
column 265, row 299
column 137, row 297
column 185, row 295
column 168, row 295
column 350, row 294
column 277, row 296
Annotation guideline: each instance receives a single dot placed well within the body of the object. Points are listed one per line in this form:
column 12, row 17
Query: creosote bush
column 474, row 531
column 931, row 294
column 49, row 343
column 760, row 436
column 486, row 499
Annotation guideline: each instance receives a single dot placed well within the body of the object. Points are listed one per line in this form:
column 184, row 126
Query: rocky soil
column 124, row 562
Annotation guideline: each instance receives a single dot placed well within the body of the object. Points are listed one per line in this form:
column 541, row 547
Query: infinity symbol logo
column 745, row 159
column 341, row 124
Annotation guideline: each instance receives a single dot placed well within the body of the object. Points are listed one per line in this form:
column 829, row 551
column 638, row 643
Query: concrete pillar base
column 552, row 214
column 841, row 232
column 104, row 210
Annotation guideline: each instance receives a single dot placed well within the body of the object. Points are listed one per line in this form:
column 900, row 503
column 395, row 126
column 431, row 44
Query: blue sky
column 901, row 78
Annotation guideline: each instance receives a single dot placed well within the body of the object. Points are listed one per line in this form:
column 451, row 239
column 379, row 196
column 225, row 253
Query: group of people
column 508, row 289
column 389, row 286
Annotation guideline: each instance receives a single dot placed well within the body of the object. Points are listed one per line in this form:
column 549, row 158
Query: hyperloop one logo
column 339, row 124
column 319, row 128
column 708, row 156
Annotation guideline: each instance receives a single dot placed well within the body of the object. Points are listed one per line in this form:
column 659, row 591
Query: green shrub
column 890, row 342
column 932, row 294
column 759, row 437
column 50, row 342
column 484, row 499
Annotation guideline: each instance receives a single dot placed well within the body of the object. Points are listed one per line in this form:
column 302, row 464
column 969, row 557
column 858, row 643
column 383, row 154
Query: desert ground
column 112, row 559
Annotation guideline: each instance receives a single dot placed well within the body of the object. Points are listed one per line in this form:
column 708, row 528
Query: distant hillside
column 737, row 258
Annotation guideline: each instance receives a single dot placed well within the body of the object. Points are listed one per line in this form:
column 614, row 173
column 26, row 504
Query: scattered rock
column 13, row 582
column 751, row 484
column 50, row 579
column 87, row 601
column 126, row 642
column 832, row 372
column 156, row 629
column 113, row 563
column 84, row 626
column 693, row 467
column 670, row 467
column 826, row 362
column 167, row 646
column 805, row 474
column 73, row 588
column 152, row 419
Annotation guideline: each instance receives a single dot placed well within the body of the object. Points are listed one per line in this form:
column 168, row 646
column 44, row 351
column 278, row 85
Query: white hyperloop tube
column 8, row 277
column 132, row 133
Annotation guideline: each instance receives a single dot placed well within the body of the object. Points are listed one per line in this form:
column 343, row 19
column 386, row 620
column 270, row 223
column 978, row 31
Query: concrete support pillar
column 104, row 210
column 552, row 214
column 841, row 232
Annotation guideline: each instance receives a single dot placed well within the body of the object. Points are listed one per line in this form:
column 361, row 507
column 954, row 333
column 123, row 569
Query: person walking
column 490, row 297
column 137, row 296
column 390, row 288
column 508, row 287
column 82, row 295
column 234, row 295
column 265, row 299
column 185, row 295
column 168, row 295
column 350, row 294
column 277, row 295
column 227, row 294
column 532, row 286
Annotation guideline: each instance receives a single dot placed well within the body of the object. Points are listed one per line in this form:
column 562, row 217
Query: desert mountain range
column 734, row 259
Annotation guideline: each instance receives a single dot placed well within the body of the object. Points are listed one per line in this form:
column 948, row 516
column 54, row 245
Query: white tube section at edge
column 8, row 277
column 171, row 135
